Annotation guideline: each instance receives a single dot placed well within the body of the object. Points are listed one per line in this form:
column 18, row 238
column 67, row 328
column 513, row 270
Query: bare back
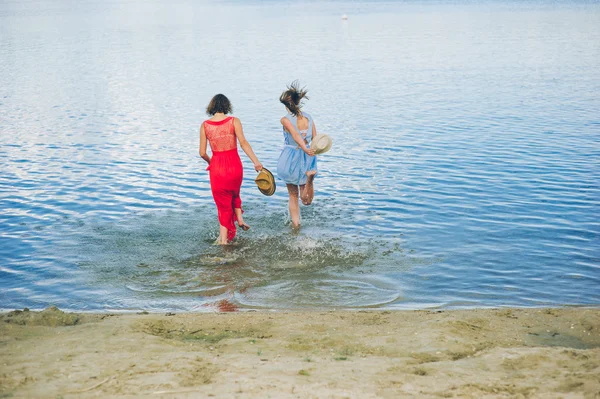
column 302, row 122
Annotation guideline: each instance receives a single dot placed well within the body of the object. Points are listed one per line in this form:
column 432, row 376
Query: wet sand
column 485, row 353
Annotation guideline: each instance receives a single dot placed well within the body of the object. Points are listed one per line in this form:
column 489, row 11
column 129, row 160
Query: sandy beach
column 488, row 353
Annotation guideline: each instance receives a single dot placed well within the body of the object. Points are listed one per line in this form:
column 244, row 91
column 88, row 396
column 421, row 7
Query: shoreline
column 225, row 306
column 474, row 353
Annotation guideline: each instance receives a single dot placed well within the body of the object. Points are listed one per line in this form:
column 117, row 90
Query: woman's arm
column 239, row 133
column 287, row 125
column 203, row 153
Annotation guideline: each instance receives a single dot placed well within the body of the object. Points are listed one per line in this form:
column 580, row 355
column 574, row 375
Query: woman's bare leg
column 222, row 236
column 240, row 219
column 293, row 204
column 307, row 191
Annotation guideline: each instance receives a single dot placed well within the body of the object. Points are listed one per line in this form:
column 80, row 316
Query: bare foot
column 307, row 191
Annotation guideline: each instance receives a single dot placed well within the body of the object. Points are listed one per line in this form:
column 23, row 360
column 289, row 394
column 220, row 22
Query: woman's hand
column 258, row 166
column 309, row 151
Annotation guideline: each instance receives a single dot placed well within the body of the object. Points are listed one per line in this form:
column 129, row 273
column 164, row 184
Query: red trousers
column 226, row 174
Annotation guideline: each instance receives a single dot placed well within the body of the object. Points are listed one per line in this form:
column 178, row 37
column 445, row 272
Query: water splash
column 163, row 257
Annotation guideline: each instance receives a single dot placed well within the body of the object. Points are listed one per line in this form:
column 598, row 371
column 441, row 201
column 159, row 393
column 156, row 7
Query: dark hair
column 292, row 97
column 219, row 103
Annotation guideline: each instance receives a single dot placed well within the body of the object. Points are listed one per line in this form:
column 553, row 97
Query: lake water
column 465, row 170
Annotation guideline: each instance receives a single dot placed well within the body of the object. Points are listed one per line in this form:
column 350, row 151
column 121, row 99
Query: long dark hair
column 219, row 103
column 292, row 97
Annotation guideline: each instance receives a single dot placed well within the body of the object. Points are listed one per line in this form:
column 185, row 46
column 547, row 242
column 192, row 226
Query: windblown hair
column 219, row 103
column 292, row 97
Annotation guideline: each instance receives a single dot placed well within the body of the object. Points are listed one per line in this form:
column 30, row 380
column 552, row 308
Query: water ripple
column 464, row 171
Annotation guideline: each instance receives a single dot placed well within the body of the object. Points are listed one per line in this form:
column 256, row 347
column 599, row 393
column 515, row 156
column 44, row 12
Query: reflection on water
column 464, row 170
column 271, row 267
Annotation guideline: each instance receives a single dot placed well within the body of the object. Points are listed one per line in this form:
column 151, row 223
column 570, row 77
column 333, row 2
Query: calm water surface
column 465, row 170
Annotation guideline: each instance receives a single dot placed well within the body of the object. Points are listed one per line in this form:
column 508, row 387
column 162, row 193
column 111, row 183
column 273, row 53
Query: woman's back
column 305, row 133
column 221, row 134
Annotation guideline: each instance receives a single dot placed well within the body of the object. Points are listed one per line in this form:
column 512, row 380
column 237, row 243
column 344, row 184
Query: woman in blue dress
column 297, row 165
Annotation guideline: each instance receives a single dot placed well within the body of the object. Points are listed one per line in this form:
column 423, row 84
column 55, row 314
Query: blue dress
column 293, row 162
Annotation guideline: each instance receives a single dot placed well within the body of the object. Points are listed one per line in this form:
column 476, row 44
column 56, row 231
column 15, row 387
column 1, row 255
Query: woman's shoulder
column 228, row 119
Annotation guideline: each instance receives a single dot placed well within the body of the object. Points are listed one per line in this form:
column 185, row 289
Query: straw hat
column 265, row 182
column 321, row 144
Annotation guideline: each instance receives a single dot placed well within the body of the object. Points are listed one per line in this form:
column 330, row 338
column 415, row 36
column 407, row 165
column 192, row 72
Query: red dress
column 225, row 171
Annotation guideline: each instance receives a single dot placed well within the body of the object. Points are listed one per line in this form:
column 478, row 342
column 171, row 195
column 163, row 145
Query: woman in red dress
column 225, row 167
